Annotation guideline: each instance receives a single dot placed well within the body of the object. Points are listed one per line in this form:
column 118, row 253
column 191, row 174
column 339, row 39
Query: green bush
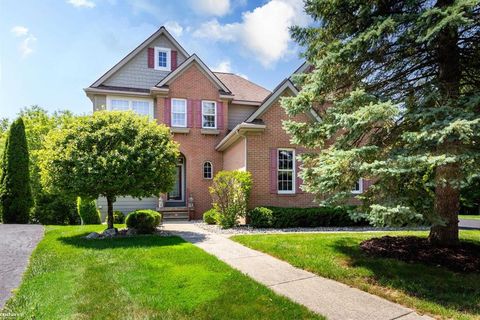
column 144, row 221
column 210, row 216
column 55, row 209
column 88, row 212
column 309, row 217
column 261, row 217
column 118, row 217
column 230, row 192
column 15, row 191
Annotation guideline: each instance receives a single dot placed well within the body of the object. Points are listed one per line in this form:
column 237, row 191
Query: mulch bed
column 462, row 258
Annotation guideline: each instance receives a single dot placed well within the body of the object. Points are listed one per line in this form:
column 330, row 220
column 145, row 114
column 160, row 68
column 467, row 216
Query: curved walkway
column 17, row 242
column 324, row 296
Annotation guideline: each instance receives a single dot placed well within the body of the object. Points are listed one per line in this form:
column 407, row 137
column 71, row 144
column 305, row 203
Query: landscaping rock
column 109, row 233
column 93, row 235
column 131, row 232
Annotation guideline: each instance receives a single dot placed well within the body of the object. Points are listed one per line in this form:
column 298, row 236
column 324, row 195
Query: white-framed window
column 162, row 59
column 140, row 106
column 286, row 171
column 209, row 114
column 179, row 113
column 358, row 187
column 207, row 170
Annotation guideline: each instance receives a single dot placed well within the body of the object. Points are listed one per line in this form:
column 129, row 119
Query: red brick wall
column 196, row 147
column 258, row 161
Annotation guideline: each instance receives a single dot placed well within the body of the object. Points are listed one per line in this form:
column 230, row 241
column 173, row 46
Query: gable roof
column 143, row 45
column 203, row 67
column 284, row 85
column 243, row 90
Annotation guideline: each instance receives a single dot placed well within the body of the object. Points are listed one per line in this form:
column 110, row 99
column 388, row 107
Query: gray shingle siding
column 136, row 74
column 127, row 204
column 238, row 113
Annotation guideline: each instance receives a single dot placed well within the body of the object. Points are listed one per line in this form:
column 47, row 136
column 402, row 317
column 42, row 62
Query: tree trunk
column 447, row 188
column 110, row 201
column 447, row 206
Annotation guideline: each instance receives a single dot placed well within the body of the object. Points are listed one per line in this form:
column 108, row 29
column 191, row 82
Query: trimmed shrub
column 210, row 216
column 15, row 191
column 55, row 209
column 230, row 192
column 261, row 217
column 144, row 221
column 88, row 212
column 118, row 217
column 313, row 217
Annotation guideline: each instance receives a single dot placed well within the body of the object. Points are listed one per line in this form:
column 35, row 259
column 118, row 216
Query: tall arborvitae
column 15, row 192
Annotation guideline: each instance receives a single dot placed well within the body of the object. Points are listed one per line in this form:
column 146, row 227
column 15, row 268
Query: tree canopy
column 401, row 80
column 109, row 154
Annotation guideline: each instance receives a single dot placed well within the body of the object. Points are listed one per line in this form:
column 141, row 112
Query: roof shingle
column 243, row 89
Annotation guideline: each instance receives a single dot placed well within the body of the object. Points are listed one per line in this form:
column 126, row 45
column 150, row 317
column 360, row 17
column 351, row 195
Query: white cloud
column 174, row 27
column 26, row 45
column 226, row 66
column 223, row 66
column 211, row 7
column 19, row 31
column 263, row 31
column 82, row 3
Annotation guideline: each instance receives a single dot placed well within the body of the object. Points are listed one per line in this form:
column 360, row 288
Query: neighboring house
column 221, row 121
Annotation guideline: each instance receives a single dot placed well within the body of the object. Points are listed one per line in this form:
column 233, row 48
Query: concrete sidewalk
column 326, row 297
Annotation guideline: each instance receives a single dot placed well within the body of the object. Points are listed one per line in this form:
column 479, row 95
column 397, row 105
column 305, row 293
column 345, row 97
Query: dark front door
column 176, row 196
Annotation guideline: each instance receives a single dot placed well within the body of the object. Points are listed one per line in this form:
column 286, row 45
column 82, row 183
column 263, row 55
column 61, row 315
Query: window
column 179, row 113
column 358, row 188
column 162, row 59
column 207, row 170
column 209, row 114
column 286, row 171
column 140, row 106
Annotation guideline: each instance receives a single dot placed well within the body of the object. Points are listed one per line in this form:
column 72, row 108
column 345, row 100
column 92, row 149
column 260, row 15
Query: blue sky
column 51, row 49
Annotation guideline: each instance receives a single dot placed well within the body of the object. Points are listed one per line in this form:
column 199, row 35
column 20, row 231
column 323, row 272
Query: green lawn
column 471, row 217
column 337, row 256
column 145, row 277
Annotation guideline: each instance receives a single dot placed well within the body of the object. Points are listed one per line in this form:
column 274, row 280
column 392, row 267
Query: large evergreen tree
column 402, row 82
column 15, row 193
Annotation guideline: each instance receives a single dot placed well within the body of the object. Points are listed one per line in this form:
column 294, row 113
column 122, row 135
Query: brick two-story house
column 221, row 121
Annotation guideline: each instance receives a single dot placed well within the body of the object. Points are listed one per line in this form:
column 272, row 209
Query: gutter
column 239, row 131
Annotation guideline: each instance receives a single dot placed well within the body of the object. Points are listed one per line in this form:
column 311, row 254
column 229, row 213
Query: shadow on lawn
column 438, row 285
column 142, row 241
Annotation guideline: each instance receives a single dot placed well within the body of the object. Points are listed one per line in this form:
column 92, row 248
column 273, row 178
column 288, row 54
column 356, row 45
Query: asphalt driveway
column 17, row 242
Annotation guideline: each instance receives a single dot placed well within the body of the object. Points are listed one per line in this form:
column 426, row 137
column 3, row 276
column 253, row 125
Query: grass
column 432, row 290
column 470, row 217
column 145, row 277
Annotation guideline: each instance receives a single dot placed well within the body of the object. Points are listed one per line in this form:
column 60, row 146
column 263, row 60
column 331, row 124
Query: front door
column 176, row 196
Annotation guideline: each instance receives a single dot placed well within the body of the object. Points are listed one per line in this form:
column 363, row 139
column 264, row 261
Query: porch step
column 174, row 213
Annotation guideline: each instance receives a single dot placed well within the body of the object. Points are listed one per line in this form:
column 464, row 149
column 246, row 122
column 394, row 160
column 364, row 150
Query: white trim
column 215, row 114
column 203, row 170
column 287, row 84
column 171, row 113
column 239, row 130
column 246, row 153
column 360, row 190
column 168, row 51
column 294, row 169
column 115, row 92
column 193, row 58
column 143, row 45
column 130, row 100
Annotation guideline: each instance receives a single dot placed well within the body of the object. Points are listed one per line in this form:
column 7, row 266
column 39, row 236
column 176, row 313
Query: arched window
column 207, row 170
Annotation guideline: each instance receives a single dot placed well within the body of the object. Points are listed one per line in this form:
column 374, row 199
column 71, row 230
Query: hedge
column 88, row 212
column 303, row 217
column 145, row 221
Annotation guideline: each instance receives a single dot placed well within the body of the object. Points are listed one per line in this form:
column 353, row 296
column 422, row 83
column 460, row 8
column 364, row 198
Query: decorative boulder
column 110, row 232
column 93, row 235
